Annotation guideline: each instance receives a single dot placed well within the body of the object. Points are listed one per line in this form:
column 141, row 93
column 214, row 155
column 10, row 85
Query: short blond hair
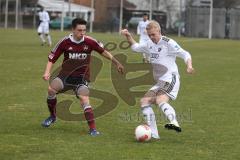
column 153, row 24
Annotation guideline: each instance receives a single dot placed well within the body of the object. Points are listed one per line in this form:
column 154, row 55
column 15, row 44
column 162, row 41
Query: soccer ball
column 143, row 133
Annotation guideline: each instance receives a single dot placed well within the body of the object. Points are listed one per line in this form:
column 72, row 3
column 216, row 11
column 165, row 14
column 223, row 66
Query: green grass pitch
column 207, row 104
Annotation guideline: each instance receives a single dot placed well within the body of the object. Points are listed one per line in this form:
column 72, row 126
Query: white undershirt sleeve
column 140, row 48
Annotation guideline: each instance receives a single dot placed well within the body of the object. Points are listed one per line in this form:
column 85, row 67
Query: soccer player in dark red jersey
column 77, row 49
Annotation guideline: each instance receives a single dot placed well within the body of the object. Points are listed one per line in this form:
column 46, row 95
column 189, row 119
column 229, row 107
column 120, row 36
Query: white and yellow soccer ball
column 143, row 133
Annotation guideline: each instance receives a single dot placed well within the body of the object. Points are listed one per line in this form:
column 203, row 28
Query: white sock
column 169, row 112
column 49, row 40
column 42, row 38
column 151, row 121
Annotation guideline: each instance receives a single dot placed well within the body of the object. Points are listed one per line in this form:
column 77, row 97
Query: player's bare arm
column 109, row 56
column 47, row 74
column 190, row 69
column 128, row 35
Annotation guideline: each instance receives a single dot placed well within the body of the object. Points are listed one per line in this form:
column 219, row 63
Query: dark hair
column 41, row 8
column 78, row 21
column 145, row 14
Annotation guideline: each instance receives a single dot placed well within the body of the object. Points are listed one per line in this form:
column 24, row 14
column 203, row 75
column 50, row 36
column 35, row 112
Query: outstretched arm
column 109, row 56
column 136, row 47
column 128, row 35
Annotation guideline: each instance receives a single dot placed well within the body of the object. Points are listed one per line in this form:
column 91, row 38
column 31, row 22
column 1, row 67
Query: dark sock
column 90, row 118
column 52, row 106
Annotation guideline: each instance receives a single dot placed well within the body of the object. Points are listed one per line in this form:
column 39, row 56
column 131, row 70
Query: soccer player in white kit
column 43, row 28
column 163, row 52
column 141, row 30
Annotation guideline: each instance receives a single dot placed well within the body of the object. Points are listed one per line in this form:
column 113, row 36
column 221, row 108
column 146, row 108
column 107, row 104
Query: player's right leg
column 148, row 112
column 166, row 91
column 55, row 86
column 46, row 31
column 40, row 34
column 162, row 101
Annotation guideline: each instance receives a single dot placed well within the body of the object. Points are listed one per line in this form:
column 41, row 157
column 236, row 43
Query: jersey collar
column 160, row 40
column 73, row 40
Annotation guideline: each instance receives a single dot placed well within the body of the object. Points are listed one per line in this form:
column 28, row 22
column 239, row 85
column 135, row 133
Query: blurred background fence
column 226, row 23
column 183, row 17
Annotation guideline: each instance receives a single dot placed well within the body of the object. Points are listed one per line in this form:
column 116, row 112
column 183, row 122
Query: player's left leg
column 42, row 38
column 46, row 31
column 49, row 39
column 83, row 93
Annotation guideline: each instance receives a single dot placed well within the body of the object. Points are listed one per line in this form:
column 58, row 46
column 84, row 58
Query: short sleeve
column 98, row 46
column 56, row 51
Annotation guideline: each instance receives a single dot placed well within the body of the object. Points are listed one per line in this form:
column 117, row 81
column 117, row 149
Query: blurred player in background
column 163, row 52
column 43, row 27
column 75, row 72
column 141, row 31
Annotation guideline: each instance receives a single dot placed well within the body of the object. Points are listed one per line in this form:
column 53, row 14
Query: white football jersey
column 141, row 30
column 44, row 25
column 44, row 16
column 162, row 57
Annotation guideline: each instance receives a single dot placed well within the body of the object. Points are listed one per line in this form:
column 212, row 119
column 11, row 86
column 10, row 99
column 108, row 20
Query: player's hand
column 125, row 32
column 120, row 68
column 46, row 76
column 190, row 70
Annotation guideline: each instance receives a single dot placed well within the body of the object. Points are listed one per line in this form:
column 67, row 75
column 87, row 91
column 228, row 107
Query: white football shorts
column 43, row 28
column 171, row 89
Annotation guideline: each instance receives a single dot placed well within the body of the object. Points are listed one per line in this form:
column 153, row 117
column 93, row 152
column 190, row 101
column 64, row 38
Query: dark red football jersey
column 77, row 55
